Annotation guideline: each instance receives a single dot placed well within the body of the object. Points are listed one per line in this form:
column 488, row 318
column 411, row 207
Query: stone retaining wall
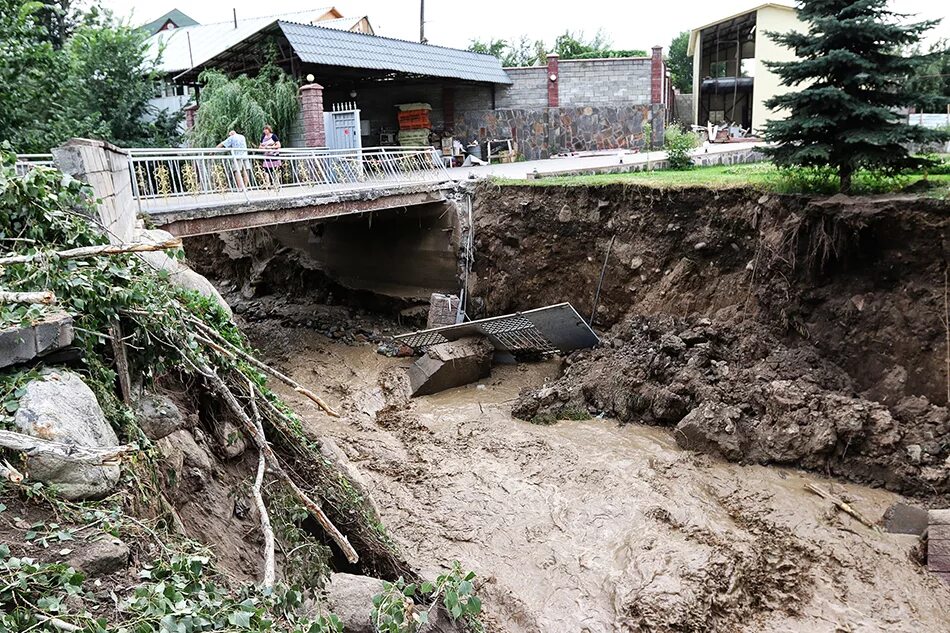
column 543, row 132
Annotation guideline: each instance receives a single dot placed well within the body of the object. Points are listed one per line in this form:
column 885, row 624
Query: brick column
column 311, row 110
column 657, row 71
column 190, row 112
column 553, row 96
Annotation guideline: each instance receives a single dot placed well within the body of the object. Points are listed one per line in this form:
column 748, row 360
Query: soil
column 593, row 526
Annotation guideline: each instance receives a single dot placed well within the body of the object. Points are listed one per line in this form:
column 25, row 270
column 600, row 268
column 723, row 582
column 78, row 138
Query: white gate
column 342, row 127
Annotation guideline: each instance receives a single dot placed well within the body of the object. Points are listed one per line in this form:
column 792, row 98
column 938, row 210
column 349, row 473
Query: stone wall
column 542, row 132
column 683, row 109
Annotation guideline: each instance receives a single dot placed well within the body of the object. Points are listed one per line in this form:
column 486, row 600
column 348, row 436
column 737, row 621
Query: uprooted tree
column 853, row 78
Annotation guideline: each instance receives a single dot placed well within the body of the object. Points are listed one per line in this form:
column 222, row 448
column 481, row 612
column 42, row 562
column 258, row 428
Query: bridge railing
column 168, row 179
column 26, row 162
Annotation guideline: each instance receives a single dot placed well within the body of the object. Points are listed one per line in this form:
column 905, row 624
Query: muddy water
column 587, row 526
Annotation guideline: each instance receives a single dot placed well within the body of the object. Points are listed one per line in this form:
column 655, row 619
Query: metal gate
column 343, row 127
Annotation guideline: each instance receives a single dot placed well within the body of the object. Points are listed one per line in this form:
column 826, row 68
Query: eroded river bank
column 592, row 526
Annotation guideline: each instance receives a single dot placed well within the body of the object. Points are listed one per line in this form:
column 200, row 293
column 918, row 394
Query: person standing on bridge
column 270, row 144
column 241, row 163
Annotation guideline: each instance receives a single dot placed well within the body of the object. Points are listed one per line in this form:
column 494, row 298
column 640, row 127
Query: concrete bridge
column 375, row 219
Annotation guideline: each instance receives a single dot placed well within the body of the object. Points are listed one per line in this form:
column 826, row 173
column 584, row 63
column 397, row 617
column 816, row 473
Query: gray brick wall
column 598, row 82
column 528, row 90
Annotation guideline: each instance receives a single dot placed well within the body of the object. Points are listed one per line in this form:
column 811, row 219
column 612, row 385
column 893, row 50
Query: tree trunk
column 844, row 175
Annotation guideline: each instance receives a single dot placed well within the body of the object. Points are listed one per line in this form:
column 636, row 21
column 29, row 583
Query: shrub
column 678, row 145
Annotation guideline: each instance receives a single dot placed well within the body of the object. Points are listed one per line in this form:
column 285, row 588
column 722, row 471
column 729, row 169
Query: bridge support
column 105, row 168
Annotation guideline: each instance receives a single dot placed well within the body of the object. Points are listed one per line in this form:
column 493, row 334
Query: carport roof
column 346, row 50
column 327, row 47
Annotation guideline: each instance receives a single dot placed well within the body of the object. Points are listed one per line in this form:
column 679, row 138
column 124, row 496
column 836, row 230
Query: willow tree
column 853, row 78
column 245, row 104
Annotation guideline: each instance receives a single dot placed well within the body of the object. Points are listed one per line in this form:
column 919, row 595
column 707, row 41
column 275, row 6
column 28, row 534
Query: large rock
column 100, row 557
column 158, row 416
column 451, row 364
column 350, row 597
column 59, row 407
column 178, row 273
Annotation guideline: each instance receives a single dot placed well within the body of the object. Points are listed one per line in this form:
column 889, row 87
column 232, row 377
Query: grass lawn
column 760, row 175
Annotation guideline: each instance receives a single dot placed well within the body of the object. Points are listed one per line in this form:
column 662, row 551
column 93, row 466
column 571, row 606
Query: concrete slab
column 22, row 344
column 902, row 518
column 939, row 517
column 451, row 364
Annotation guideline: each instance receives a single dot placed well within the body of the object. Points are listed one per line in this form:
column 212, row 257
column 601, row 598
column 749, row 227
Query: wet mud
column 593, row 526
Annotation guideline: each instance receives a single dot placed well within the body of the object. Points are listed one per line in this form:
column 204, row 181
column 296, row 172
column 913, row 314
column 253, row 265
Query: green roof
column 177, row 17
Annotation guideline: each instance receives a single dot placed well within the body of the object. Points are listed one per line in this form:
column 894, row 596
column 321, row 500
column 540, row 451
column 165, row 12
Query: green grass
column 763, row 176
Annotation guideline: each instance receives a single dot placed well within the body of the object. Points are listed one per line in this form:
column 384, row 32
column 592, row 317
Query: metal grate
column 556, row 328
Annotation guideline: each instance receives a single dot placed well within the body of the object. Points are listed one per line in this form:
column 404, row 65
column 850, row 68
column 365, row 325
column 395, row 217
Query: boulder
column 178, row 273
column 350, row 597
column 230, row 439
column 158, row 416
column 59, row 407
column 100, row 557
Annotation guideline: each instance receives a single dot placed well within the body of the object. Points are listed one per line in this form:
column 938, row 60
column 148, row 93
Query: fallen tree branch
column 121, row 361
column 266, row 529
column 218, row 386
column 841, row 505
column 44, row 296
column 11, row 474
column 37, row 446
column 265, row 368
column 93, row 251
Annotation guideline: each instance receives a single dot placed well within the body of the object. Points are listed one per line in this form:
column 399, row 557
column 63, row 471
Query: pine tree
column 853, row 79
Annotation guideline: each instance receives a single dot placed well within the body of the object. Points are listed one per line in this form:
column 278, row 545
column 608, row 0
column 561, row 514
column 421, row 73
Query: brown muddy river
column 588, row 526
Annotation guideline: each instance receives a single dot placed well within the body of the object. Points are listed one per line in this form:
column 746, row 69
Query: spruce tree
column 853, row 78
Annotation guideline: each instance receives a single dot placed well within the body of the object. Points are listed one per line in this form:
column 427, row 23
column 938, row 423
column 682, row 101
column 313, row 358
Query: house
column 174, row 19
column 180, row 43
column 731, row 82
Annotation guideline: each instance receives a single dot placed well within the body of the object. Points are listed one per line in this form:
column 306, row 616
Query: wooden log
column 45, row 297
column 92, row 251
column 842, row 505
column 218, row 386
column 31, row 446
column 267, row 579
column 263, row 367
column 121, row 362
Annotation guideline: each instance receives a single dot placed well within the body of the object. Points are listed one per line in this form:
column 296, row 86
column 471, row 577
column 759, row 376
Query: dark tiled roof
column 329, row 47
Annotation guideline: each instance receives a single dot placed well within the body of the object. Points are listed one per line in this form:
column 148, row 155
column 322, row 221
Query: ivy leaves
column 395, row 608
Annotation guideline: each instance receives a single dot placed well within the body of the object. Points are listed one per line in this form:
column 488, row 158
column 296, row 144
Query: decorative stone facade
column 543, row 132
column 311, row 111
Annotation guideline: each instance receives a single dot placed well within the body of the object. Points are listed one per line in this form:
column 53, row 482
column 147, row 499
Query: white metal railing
column 168, row 179
column 26, row 162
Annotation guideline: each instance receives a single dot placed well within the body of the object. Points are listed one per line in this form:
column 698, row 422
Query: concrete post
column 311, row 109
column 190, row 112
column 105, row 168
column 554, row 79
column 657, row 71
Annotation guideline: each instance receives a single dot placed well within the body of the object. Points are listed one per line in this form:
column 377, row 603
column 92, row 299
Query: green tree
column 38, row 109
column 114, row 78
column 245, row 104
column 854, row 78
column 680, row 63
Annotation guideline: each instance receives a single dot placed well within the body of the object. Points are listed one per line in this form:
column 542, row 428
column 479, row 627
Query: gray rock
column 158, row 416
column 59, row 407
column 178, row 273
column 100, row 557
column 181, row 449
column 902, row 518
column 351, row 598
column 230, row 439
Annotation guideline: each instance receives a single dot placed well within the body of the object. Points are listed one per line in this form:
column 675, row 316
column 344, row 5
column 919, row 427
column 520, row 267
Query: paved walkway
column 584, row 162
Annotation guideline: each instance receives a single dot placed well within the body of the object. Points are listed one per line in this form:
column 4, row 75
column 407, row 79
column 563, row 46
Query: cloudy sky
column 455, row 22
